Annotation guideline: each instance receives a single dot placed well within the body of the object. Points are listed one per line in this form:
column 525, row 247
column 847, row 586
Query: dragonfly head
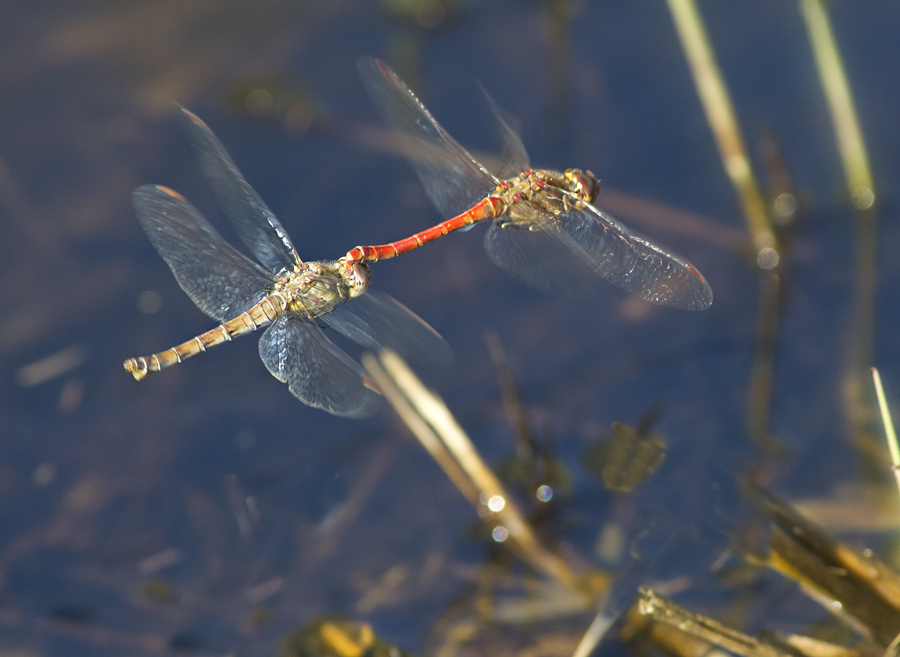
column 582, row 183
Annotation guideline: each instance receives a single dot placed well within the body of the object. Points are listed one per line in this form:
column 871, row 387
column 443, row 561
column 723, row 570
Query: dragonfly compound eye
column 582, row 183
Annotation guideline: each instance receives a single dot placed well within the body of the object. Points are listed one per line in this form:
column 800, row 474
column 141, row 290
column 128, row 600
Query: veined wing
column 377, row 321
column 587, row 243
column 222, row 281
column 317, row 372
column 637, row 265
column 545, row 259
column 453, row 179
column 254, row 222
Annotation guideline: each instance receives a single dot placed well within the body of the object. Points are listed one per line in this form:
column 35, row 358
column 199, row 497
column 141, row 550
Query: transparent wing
column 545, row 259
column 254, row 222
column 377, row 321
column 637, row 265
column 514, row 158
column 587, row 243
column 218, row 278
column 453, row 179
column 317, row 372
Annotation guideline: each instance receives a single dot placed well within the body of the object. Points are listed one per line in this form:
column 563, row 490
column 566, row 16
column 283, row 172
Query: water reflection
column 100, row 476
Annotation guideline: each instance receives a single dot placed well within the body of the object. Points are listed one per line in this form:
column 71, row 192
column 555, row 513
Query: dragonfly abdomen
column 487, row 208
column 262, row 313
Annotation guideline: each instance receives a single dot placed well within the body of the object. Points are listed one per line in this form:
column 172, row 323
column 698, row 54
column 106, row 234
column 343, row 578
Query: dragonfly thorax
column 579, row 183
column 316, row 288
column 536, row 197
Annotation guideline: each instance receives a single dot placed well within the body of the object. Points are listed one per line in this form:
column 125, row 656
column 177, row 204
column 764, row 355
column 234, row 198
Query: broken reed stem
column 670, row 621
column 723, row 123
column 850, row 143
column 421, row 430
column 594, row 634
column 886, row 419
column 853, row 585
column 427, row 416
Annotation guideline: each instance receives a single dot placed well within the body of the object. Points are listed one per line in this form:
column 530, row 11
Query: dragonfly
column 545, row 229
column 296, row 300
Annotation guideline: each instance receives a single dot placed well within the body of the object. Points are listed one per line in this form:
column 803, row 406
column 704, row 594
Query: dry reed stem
column 723, row 123
column 428, row 417
column 594, row 634
column 860, row 187
column 683, row 632
column 851, row 146
column 421, row 429
column 888, row 423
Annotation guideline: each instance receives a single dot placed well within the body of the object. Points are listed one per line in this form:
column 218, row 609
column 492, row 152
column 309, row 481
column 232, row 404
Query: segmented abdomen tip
column 138, row 372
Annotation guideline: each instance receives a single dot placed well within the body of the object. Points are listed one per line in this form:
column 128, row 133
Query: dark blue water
column 98, row 473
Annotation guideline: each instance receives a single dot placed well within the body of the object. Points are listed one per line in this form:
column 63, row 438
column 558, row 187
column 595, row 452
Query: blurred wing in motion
column 453, row 179
column 513, row 158
column 254, row 222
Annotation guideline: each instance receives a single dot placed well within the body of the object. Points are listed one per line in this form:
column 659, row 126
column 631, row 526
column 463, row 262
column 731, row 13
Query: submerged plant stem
column 860, row 187
column 724, row 125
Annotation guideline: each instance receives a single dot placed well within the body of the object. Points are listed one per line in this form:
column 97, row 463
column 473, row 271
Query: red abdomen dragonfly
column 544, row 230
column 296, row 300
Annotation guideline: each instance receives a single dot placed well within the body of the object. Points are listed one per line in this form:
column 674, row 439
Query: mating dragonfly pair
column 544, row 230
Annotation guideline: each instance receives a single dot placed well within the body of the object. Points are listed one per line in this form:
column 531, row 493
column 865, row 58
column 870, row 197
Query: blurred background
column 206, row 510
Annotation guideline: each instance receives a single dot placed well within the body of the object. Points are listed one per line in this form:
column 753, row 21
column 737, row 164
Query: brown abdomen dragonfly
column 296, row 300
